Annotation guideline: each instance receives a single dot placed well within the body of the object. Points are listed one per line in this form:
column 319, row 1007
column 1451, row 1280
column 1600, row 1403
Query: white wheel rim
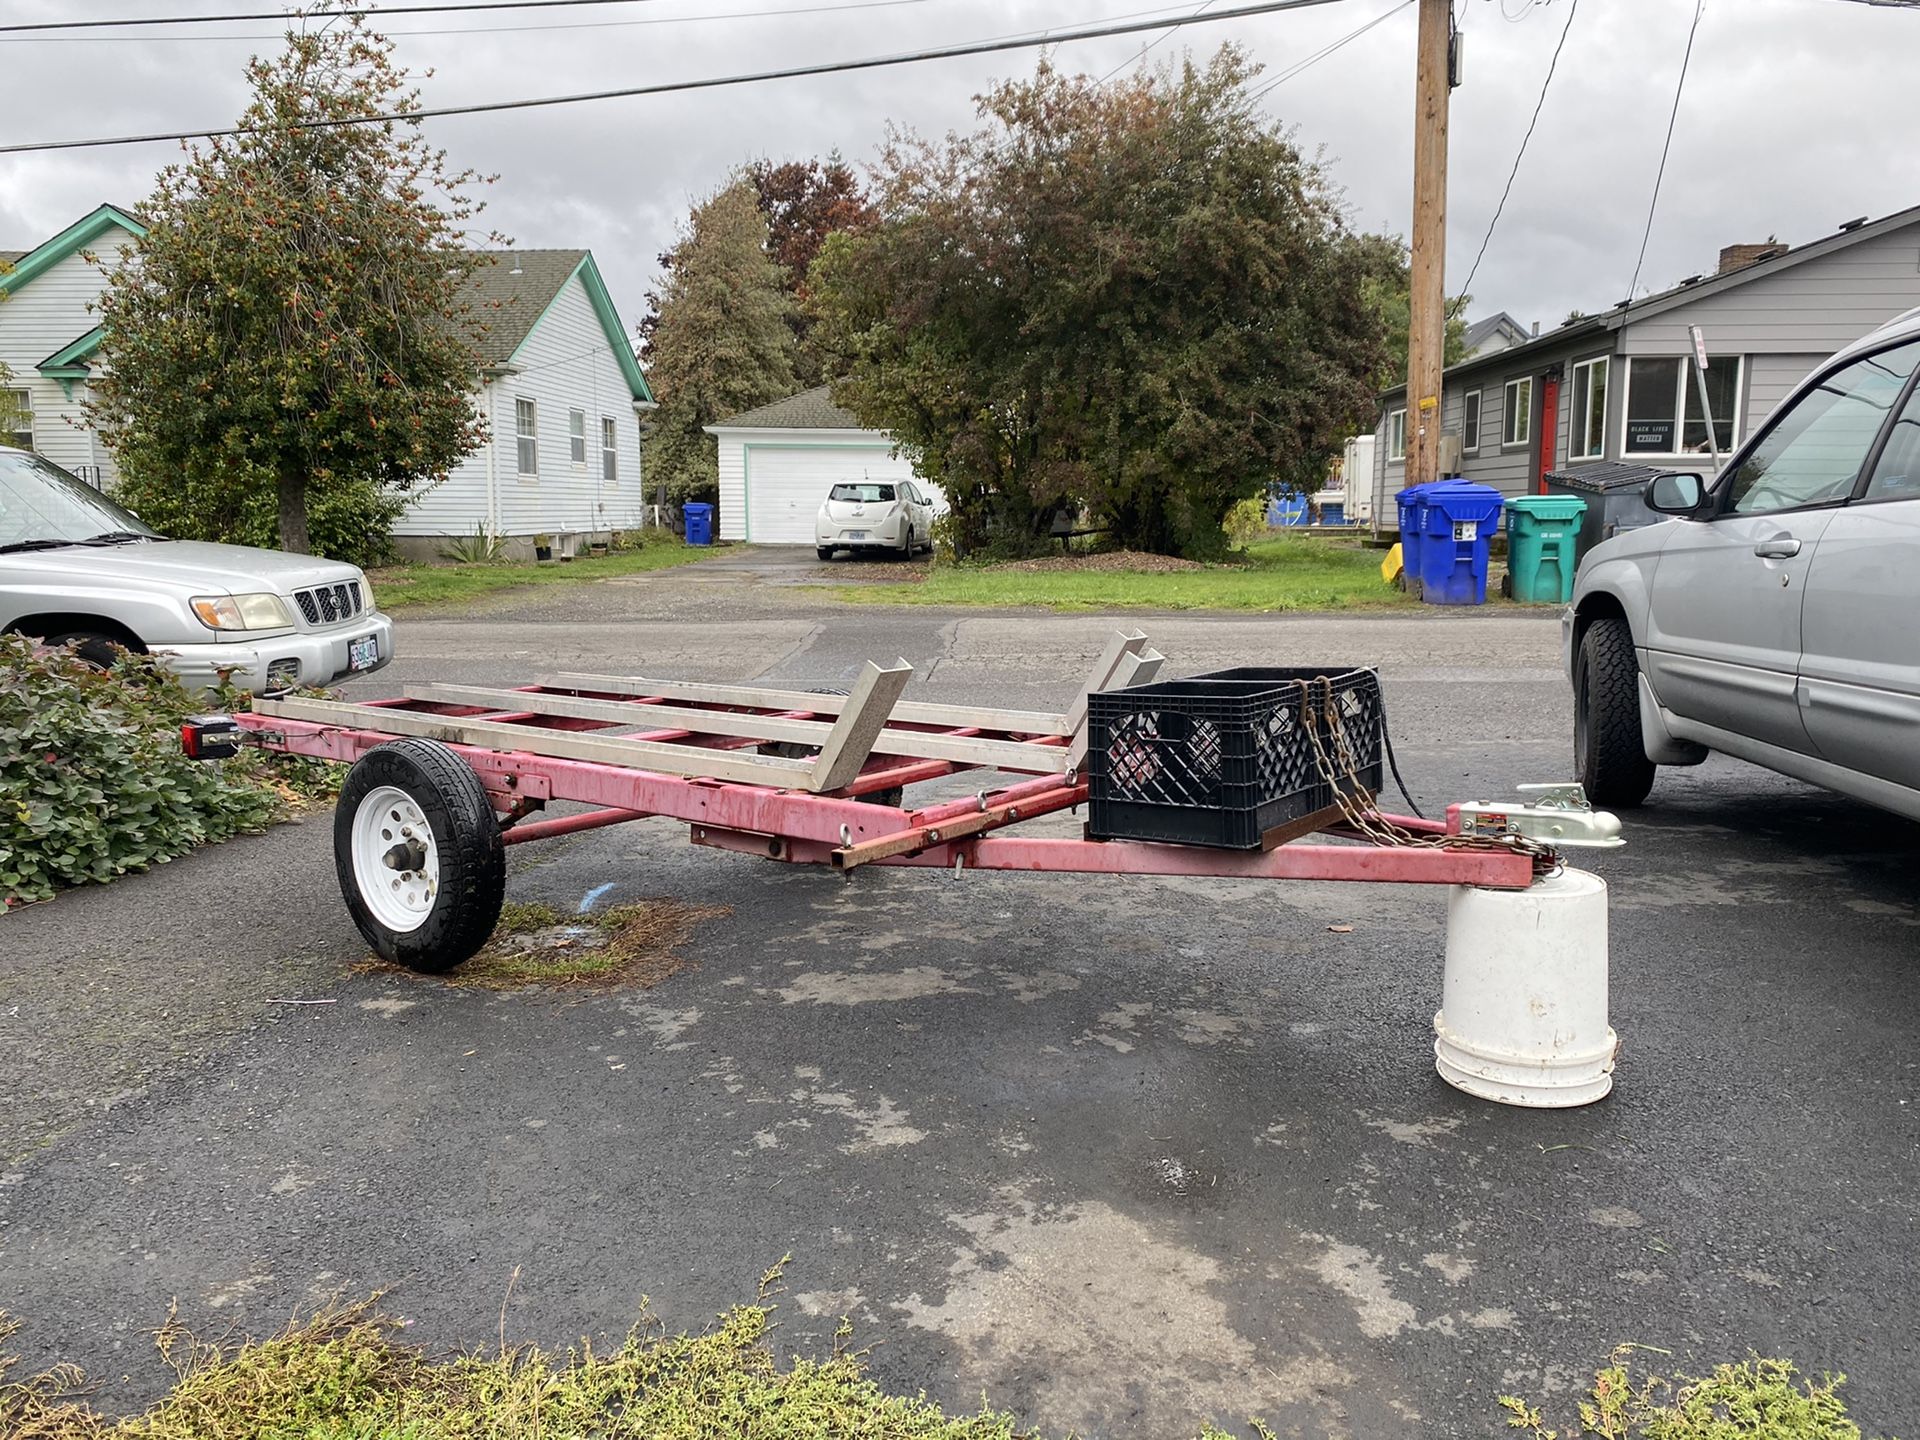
column 395, row 862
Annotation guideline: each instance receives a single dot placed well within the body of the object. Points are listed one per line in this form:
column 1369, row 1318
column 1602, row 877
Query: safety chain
column 1341, row 771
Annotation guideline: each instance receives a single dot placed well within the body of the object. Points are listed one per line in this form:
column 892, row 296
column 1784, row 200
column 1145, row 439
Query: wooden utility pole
column 1427, row 334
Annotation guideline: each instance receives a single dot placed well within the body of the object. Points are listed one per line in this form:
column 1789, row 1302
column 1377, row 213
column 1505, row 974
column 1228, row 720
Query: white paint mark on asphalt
column 1076, row 1297
column 1457, row 1268
column 829, row 1302
column 1413, row 1132
column 388, row 1005
column 861, row 987
column 1359, row 1276
column 586, row 900
column 291, row 1183
column 1615, row 1217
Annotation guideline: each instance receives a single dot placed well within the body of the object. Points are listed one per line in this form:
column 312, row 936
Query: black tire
column 906, row 545
column 471, row 859
column 90, row 647
column 825, row 552
column 1607, row 754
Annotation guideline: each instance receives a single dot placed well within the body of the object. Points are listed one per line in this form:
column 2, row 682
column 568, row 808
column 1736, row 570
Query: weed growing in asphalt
column 624, row 947
column 1758, row 1399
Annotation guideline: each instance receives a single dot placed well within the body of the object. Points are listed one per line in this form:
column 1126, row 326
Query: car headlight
column 243, row 612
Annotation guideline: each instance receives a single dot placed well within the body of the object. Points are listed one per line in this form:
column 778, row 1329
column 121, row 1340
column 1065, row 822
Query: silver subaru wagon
column 77, row 569
column 1776, row 618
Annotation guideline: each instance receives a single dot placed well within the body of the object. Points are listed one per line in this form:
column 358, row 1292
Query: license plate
column 856, row 535
column 1466, row 529
column 363, row 653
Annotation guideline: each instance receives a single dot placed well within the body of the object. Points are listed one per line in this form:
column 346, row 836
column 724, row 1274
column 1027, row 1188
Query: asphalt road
column 1120, row 1155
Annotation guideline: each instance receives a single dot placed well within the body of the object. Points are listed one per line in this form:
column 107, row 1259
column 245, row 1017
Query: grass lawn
column 1284, row 573
column 400, row 588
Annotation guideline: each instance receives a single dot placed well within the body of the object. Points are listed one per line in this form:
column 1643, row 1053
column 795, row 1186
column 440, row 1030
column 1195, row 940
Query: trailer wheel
column 419, row 855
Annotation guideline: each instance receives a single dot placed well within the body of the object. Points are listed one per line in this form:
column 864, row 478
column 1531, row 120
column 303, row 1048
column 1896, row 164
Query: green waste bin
column 1543, row 532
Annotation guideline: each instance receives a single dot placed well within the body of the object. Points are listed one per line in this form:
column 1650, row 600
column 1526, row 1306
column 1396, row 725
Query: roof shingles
column 511, row 293
column 809, row 410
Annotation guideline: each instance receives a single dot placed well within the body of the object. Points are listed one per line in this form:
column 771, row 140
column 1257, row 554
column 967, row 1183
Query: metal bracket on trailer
column 1558, row 813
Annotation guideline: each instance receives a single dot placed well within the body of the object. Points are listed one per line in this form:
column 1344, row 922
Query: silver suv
column 77, row 569
column 1778, row 618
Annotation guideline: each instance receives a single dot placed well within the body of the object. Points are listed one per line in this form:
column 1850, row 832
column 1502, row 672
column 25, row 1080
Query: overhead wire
column 1027, row 41
column 1666, row 146
column 1573, row 8
column 1142, row 53
column 396, row 34
column 1321, row 54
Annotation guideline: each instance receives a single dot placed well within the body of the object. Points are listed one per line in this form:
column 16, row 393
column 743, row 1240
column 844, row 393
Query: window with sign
column 1397, row 435
column 1516, row 413
column 1663, row 405
column 1587, row 420
column 1470, row 423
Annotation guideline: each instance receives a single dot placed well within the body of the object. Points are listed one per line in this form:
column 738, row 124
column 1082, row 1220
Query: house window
column 1587, row 421
column 16, row 418
column 1470, row 423
column 526, row 437
column 1663, row 405
column 1516, row 417
column 577, row 436
column 609, row 451
column 1396, row 434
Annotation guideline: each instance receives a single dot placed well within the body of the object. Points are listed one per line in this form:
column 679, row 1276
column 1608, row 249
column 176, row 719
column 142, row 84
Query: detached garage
column 778, row 462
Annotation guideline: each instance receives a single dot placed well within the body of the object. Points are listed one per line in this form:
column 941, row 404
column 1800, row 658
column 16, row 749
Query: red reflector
column 209, row 737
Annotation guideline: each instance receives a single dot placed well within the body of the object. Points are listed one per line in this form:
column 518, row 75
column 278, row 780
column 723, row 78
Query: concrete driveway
column 1122, row 1156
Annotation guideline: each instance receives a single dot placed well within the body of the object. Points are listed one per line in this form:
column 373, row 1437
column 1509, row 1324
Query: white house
column 557, row 383
column 563, row 397
column 778, row 462
column 49, row 337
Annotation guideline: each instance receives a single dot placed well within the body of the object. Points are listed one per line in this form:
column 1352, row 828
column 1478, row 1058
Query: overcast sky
column 1797, row 116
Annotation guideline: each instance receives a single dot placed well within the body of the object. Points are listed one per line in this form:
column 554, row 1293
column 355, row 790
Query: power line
column 251, row 36
column 125, row 21
column 1654, row 204
column 1572, row 9
column 1322, row 53
column 831, row 67
column 1144, row 49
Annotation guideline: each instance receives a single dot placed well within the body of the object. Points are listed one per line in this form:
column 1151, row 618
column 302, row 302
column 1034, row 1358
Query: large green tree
column 719, row 341
column 805, row 201
column 1390, row 292
column 288, row 341
column 1137, row 297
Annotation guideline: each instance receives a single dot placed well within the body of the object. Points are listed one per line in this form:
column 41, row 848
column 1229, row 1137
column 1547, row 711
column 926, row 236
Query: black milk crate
column 1221, row 759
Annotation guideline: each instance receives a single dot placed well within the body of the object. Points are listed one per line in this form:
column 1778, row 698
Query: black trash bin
column 1614, row 492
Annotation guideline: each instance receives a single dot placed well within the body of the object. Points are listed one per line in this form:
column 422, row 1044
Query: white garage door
column 786, row 485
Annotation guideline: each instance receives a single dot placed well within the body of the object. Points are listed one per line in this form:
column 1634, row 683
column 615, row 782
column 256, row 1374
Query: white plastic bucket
column 1523, row 1011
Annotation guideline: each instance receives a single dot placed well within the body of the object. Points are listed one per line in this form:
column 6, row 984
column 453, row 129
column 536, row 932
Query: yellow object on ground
column 1392, row 567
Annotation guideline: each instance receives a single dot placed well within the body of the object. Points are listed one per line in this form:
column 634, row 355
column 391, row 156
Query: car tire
column 1608, row 757
column 416, row 800
column 89, row 647
column 906, row 544
column 825, row 552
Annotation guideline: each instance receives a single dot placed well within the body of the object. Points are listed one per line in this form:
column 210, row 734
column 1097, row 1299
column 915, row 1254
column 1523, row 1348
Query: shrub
column 1246, row 522
column 352, row 522
column 92, row 779
column 1758, row 1399
column 478, row 548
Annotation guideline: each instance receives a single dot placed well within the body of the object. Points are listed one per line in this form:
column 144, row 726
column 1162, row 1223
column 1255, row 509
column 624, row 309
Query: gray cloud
column 1793, row 119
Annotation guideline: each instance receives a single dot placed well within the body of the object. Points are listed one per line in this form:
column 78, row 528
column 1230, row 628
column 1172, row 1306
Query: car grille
column 329, row 604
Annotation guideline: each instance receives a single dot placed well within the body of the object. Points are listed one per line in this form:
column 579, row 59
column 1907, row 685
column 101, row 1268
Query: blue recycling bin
column 1457, row 522
column 699, row 523
column 1412, row 502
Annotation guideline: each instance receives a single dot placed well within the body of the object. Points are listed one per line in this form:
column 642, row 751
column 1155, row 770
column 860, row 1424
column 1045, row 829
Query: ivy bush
column 92, row 779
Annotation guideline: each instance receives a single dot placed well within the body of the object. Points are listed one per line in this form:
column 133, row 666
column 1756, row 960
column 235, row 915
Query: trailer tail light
column 210, row 737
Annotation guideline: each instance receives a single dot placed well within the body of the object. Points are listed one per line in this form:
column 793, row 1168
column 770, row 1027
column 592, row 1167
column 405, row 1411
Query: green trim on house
column 69, row 357
column 588, row 274
column 747, row 447
column 76, row 236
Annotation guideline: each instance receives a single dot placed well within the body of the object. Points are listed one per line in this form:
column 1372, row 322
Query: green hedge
column 92, row 780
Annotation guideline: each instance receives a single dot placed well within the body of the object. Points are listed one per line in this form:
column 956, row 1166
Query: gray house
column 1621, row 386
